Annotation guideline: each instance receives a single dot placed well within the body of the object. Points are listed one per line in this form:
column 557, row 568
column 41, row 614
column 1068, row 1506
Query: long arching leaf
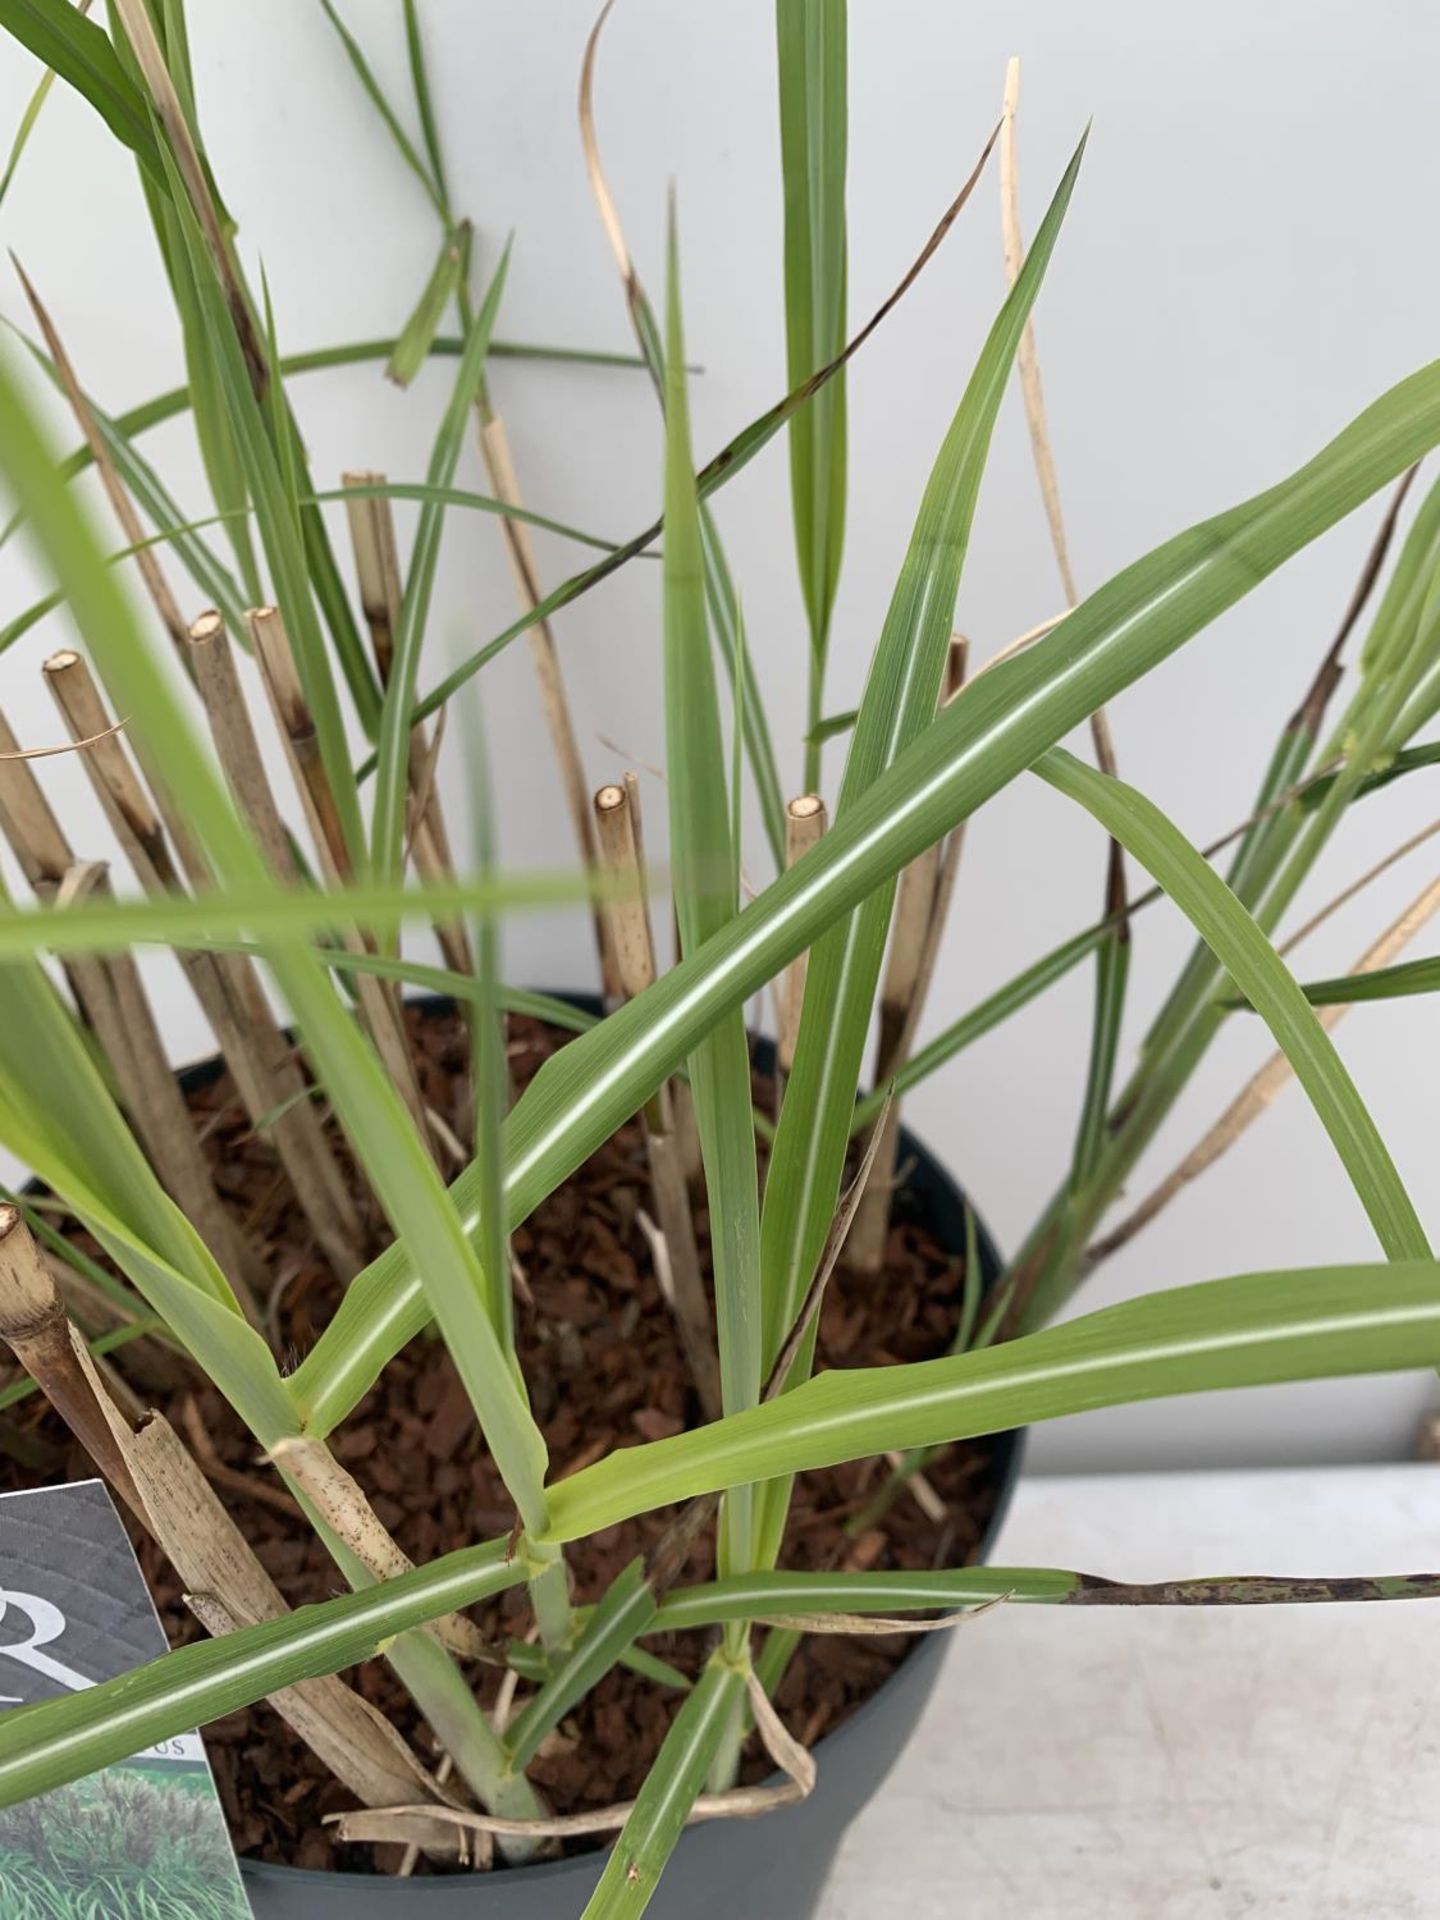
column 1001, row 724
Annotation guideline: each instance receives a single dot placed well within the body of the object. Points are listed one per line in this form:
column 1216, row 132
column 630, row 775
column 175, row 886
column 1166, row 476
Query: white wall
column 1248, row 261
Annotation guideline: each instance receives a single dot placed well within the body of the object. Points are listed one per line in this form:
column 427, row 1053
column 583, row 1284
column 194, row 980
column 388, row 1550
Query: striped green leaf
column 1000, row 725
column 1254, row 1329
column 811, row 38
column 1242, row 948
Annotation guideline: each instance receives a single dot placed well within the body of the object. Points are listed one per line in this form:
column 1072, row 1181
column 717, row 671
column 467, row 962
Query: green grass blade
column 624, row 1613
column 1027, row 985
column 285, row 551
column 258, row 909
column 726, row 622
column 424, row 106
column 45, row 1746
column 429, row 494
column 214, row 431
column 34, row 107
column 777, row 1595
column 671, row 1788
column 732, row 457
column 1250, row 1330
column 703, row 879
column 212, row 579
column 176, row 401
column 901, row 691
column 81, row 54
column 393, row 746
column 1000, row 725
column 489, row 1065
column 463, row 987
column 1112, row 971
column 704, row 872
column 57, row 1117
column 412, row 349
column 1242, row 948
column 1385, row 983
column 1409, row 760
column 365, row 74
column 811, row 38
column 61, row 1111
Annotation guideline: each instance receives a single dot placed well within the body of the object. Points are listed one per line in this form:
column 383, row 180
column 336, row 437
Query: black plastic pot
column 775, row 1866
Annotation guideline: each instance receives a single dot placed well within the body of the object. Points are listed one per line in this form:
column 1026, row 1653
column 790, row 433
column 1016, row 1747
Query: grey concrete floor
column 1179, row 1764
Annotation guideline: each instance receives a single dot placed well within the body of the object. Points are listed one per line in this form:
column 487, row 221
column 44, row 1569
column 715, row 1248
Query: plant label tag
column 142, row 1840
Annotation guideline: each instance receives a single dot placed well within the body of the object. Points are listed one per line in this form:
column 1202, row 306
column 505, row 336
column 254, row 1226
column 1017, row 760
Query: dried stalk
column 337, row 1496
column 677, row 1258
column 36, row 1327
column 805, row 823
column 236, row 747
column 227, row 986
column 146, row 558
column 740, row 1803
column 296, row 725
column 922, row 907
column 1021, row 642
column 226, row 1585
column 379, row 1004
column 1357, row 886
column 1264, row 1087
column 500, row 469
column 377, row 566
column 861, row 1625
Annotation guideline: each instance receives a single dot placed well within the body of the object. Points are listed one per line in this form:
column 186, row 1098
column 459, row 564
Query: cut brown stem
column 805, row 823
column 146, row 559
column 1263, row 1088
column 237, row 747
column 672, row 1237
column 922, row 908
column 379, row 1003
column 226, row 1587
column 227, row 986
column 377, row 566
column 155, row 1475
column 500, row 468
column 36, row 1327
column 276, row 660
column 337, row 1496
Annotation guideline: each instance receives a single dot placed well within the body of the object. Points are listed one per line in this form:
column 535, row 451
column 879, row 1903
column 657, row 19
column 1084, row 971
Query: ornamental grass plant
column 201, row 648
